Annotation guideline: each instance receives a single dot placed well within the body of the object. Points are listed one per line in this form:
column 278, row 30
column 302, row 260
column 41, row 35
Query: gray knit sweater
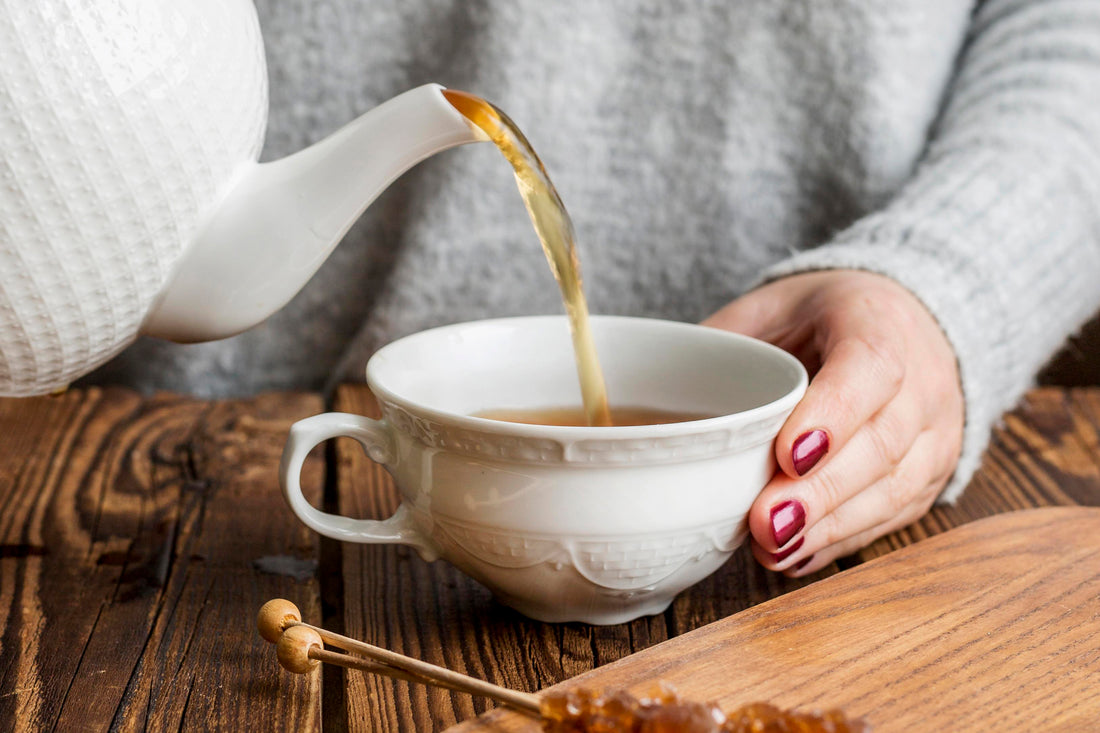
column 700, row 147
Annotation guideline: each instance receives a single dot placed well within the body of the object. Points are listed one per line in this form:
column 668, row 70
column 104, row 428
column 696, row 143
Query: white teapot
column 131, row 201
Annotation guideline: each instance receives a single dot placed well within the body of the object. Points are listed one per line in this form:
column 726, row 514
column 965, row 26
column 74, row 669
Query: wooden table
column 138, row 537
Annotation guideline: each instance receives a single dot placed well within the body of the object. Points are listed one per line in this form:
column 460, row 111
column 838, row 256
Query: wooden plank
column 431, row 611
column 131, row 546
column 991, row 626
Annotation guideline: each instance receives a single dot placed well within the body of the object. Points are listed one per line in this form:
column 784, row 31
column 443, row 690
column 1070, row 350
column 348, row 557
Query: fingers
column 896, row 500
column 786, row 506
column 850, row 336
column 876, row 435
column 863, row 368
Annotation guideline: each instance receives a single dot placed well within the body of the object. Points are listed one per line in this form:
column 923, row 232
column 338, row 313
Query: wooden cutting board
column 993, row 626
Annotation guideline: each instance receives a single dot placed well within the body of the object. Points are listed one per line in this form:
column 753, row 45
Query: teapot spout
column 280, row 220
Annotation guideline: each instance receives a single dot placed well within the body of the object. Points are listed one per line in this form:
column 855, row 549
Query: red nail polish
column 803, row 562
column 808, row 450
column 784, row 554
column 788, row 519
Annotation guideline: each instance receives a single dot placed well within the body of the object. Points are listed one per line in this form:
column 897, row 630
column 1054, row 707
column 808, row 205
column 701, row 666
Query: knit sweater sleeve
column 998, row 230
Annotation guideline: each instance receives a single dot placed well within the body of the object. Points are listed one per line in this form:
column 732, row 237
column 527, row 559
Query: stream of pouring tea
column 554, row 230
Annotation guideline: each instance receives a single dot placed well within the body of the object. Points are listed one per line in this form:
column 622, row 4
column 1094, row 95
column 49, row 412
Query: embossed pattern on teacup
column 596, row 452
column 634, row 562
column 673, row 447
column 472, row 442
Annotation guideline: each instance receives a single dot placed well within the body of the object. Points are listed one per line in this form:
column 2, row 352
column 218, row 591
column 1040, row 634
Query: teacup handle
column 377, row 442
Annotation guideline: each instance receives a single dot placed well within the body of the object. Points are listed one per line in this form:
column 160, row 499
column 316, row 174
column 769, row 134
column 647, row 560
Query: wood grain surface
column 994, row 626
column 139, row 535
column 1047, row 453
column 132, row 538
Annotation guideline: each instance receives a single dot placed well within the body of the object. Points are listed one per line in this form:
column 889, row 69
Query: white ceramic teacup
column 594, row 524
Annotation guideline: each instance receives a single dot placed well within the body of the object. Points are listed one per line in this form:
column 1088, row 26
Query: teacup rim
column 780, row 405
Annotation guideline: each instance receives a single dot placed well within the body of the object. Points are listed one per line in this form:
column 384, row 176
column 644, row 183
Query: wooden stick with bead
column 300, row 647
column 278, row 616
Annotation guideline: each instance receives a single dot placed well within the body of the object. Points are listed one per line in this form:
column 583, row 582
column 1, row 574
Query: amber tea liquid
column 555, row 232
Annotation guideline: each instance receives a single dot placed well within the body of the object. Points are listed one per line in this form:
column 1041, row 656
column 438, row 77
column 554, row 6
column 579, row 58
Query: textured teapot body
column 124, row 124
column 130, row 197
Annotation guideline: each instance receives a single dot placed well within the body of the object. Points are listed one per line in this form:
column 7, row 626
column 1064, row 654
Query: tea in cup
column 483, row 433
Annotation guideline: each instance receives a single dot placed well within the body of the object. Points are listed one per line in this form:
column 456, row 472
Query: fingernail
column 784, row 554
column 803, row 562
column 808, row 450
column 788, row 519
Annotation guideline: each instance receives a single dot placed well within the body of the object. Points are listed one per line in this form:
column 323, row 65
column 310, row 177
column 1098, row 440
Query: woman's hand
column 878, row 433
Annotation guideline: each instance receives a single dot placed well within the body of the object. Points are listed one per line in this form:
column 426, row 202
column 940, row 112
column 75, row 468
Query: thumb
column 766, row 313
